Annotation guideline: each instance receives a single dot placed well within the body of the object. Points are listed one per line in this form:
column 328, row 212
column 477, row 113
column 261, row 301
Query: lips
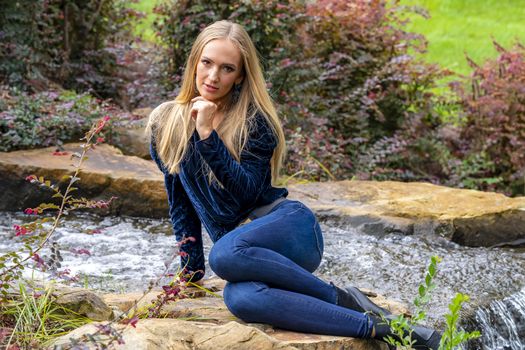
column 210, row 88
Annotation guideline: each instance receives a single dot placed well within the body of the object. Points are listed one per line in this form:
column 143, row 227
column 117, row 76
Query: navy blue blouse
column 245, row 186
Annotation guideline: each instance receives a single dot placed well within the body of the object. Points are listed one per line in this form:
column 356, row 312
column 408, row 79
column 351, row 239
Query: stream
column 124, row 254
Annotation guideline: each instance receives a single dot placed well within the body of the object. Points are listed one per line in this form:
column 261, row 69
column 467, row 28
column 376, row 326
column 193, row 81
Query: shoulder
column 261, row 134
column 163, row 108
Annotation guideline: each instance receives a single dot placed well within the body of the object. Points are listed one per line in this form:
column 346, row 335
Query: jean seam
column 317, row 234
column 332, row 311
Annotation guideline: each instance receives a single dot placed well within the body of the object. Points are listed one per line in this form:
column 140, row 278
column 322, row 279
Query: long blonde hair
column 172, row 127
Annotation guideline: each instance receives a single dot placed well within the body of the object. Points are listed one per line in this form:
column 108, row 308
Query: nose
column 214, row 74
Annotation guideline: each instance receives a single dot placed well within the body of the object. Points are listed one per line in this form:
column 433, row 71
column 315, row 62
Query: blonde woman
column 220, row 146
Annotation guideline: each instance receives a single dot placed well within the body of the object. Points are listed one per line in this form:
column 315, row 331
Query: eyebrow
column 224, row 64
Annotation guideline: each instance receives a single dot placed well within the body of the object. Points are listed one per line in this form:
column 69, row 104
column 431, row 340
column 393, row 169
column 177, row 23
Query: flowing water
column 126, row 253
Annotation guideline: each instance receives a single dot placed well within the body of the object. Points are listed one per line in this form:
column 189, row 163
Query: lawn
column 457, row 27
column 145, row 27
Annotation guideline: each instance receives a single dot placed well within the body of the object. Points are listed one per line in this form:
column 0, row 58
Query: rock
column 83, row 302
column 132, row 138
column 136, row 182
column 466, row 217
column 222, row 330
column 166, row 333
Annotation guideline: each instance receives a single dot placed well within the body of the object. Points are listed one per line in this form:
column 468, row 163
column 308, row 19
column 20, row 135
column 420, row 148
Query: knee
column 242, row 300
column 221, row 259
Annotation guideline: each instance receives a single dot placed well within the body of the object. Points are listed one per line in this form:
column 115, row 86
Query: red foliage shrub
column 494, row 110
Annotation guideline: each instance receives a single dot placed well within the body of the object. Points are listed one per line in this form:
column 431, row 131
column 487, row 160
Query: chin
column 210, row 97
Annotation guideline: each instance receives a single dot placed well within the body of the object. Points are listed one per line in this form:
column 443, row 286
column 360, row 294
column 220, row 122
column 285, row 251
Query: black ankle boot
column 425, row 338
column 354, row 299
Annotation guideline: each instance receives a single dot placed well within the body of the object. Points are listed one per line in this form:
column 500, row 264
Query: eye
column 228, row 69
column 205, row 61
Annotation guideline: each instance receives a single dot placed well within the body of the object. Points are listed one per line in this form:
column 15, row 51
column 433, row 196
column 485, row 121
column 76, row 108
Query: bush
column 493, row 132
column 180, row 21
column 46, row 119
column 348, row 67
column 64, row 42
column 339, row 71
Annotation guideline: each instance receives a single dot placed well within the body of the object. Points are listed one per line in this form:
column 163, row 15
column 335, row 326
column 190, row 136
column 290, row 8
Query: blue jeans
column 268, row 264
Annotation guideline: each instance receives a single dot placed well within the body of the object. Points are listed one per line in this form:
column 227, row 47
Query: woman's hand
column 203, row 111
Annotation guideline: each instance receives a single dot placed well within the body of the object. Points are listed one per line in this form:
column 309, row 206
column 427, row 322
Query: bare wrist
column 204, row 133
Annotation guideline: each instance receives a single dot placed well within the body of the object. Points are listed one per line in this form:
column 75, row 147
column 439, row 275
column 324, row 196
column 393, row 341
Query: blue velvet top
column 245, row 186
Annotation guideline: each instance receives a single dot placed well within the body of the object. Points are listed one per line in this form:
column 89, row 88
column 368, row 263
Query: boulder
column 466, row 217
column 84, row 302
column 204, row 322
column 132, row 139
column 137, row 183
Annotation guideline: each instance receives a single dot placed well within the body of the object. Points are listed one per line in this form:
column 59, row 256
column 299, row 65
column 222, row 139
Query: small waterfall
column 502, row 323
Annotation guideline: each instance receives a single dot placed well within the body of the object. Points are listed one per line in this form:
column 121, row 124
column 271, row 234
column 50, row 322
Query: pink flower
column 58, row 153
column 31, row 178
column 39, row 261
column 101, row 123
column 169, row 290
column 100, row 139
column 20, row 230
column 31, row 211
column 131, row 321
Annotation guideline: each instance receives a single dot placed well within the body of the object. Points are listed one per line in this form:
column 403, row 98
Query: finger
column 193, row 112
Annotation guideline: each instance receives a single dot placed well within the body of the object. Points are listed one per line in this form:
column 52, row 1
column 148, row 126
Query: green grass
column 459, row 27
column 145, row 27
column 36, row 320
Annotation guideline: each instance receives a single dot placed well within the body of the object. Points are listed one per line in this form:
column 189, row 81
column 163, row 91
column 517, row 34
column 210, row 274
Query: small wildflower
column 31, row 211
column 131, row 321
column 40, row 263
column 20, row 230
column 59, row 153
column 104, row 328
column 31, row 178
column 100, row 140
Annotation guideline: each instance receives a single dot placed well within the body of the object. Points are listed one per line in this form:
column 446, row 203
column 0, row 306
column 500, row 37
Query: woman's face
column 219, row 67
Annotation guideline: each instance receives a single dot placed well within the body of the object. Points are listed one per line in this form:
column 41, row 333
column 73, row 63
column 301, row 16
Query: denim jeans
column 268, row 264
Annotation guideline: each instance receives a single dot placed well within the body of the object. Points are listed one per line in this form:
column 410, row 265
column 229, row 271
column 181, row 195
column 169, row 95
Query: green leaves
column 452, row 337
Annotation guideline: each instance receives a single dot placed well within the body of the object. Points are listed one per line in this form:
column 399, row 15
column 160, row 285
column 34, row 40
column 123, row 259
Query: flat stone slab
column 466, row 217
column 138, row 183
column 166, row 333
column 182, row 326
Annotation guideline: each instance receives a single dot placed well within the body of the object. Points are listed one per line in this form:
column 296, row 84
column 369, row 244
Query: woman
column 220, row 146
